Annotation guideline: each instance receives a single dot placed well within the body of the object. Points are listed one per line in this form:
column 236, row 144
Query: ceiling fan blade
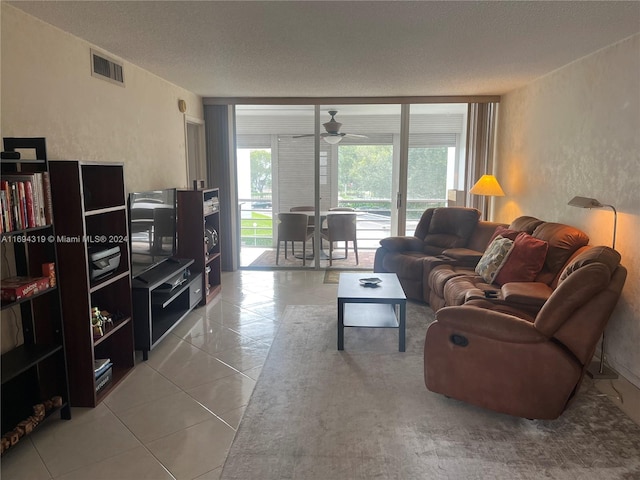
column 354, row 135
column 305, row 135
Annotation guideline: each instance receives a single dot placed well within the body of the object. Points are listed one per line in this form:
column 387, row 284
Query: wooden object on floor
column 198, row 237
column 36, row 368
column 89, row 199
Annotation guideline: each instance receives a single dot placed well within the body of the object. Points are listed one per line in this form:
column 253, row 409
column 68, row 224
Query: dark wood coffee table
column 384, row 306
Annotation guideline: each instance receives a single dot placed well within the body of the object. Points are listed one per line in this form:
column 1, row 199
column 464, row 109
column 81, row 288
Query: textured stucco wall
column 575, row 132
column 48, row 91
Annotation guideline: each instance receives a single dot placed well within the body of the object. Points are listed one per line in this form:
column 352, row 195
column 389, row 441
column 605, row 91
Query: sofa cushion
column 525, row 224
column 406, row 264
column 400, row 244
column 440, row 275
column 458, row 290
column 493, row 259
column 451, row 227
column 531, row 294
column 504, row 232
column 563, row 241
column 479, row 239
column 599, row 254
column 525, row 260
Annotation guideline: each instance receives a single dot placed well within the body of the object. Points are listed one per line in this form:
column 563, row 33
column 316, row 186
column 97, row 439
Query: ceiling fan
column 332, row 128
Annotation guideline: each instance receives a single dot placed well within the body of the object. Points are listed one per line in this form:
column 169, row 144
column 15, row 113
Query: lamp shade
column 584, row 202
column 487, row 185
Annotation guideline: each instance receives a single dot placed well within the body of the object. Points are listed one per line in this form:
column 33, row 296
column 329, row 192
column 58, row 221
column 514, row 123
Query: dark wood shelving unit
column 162, row 297
column 199, row 211
column 36, row 370
column 91, row 203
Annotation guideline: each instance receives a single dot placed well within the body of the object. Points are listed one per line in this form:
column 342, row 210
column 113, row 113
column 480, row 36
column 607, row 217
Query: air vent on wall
column 106, row 68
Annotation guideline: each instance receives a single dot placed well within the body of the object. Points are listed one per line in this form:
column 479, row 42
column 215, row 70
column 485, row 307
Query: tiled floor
column 176, row 414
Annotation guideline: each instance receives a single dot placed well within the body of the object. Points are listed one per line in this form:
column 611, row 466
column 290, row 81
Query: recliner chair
column 504, row 360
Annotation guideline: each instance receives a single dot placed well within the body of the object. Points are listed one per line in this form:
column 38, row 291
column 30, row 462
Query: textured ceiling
column 358, row 48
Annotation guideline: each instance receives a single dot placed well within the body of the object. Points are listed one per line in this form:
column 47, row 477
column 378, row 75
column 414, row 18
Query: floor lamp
column 598, row 370
column 487, row 186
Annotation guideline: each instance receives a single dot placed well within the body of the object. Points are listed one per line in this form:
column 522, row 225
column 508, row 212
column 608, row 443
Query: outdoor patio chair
column 341, row 228
column 293, row 227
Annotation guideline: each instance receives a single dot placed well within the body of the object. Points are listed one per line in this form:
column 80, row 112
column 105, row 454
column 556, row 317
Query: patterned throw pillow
column 493, row 258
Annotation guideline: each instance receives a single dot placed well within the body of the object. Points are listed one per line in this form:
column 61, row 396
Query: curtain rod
column 347, row 100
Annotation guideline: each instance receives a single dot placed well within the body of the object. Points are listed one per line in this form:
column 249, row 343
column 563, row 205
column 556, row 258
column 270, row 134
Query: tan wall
column 48, row 91
column 576, row 132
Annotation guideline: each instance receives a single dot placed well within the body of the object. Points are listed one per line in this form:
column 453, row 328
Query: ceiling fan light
column 332, row 139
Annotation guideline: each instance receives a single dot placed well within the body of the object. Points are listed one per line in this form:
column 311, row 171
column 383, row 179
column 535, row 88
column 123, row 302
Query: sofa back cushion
column 423, row 225
column 525, row 224
column 451, row 227
column 600, row 254
column 483, row 235
column 563, row 241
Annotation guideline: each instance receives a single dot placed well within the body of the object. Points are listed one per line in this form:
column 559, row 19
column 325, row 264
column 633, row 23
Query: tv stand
column 166, row 294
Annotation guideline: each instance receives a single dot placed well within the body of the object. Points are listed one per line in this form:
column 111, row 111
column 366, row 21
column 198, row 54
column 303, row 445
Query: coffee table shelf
column 371, row 315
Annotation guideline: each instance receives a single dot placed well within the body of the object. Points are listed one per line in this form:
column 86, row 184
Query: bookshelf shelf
column 35, row 370
column 90, row 201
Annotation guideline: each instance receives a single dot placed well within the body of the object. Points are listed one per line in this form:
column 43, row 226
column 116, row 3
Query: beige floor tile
column 233, row 417
column 194, row 451
column 171, row 351
column 211, row 475
column 226, row 394
column 262, row 331
column 143, row 385
column 245, row 357
column 216, row 338
column 22, row 462
column 163, row 417
column 65, row 446
column 232, row 315
column 136, row 464
column 253, row 372
column 198, row 368
column 272, row 310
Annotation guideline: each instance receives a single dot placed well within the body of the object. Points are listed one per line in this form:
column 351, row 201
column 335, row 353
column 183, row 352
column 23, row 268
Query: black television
column 152, row 228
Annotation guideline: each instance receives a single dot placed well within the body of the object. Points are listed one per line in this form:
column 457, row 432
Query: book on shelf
column 25, row 200
column 100, row 365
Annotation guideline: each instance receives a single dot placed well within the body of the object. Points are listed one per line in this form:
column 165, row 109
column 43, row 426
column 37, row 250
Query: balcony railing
column 373, row 224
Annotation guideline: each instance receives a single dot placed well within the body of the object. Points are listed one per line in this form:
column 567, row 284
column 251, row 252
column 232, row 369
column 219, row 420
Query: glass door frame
column 400, row 162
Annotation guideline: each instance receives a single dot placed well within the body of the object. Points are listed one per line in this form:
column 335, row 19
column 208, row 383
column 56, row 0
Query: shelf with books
column 34, row 363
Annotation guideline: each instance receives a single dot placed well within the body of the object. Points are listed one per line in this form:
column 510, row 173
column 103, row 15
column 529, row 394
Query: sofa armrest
column 402, row 244
column 533, row 294
column 464, row 256
column 489, row 324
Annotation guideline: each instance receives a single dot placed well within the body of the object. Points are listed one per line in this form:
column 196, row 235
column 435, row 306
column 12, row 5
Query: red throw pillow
column 524, row 261
column 504, row 232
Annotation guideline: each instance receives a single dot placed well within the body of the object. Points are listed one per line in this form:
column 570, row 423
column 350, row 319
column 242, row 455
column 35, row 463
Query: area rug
column 364, row 413
column 268, row 260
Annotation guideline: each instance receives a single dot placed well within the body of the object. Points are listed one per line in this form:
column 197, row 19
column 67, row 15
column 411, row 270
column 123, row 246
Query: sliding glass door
column 361, row 158
column 364, row 168
column 435, row 158
column 275, row 174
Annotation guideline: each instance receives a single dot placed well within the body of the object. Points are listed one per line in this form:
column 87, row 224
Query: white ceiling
column 340, row 49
